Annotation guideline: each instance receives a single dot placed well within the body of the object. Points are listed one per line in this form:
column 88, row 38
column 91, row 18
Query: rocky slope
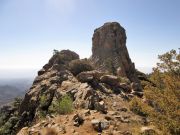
column 99, row 91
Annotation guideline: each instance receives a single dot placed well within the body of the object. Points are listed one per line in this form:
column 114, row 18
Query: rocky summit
column 109, row 51
column 96, row 90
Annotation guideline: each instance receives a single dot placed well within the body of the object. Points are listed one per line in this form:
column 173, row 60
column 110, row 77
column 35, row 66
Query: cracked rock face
column 109, row 51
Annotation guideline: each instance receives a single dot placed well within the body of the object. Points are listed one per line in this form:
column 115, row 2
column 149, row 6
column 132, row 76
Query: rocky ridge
column 99, row 90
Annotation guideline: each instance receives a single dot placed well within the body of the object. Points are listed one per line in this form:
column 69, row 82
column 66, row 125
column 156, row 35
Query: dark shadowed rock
column 110, row 79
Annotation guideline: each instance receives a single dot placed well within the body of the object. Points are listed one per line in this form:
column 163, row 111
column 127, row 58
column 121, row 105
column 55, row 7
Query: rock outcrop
column 99, row 84
column 109, row 51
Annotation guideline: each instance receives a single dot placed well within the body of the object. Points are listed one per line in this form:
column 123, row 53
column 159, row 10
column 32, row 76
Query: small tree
column 162, row 101
column 55, row 52
column 170, row 62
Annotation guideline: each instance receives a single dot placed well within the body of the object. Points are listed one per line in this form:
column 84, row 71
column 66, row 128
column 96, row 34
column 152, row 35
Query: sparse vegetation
column 43, row 101
column 163, row 101
column 64, row 105
column 138, row 107
column 17, row 102
column 7, row 128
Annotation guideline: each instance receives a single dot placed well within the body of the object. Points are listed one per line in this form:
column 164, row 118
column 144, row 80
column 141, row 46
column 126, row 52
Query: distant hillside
column 11, row 88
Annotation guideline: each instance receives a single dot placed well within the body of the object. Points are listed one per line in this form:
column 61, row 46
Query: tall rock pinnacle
column 109, row 52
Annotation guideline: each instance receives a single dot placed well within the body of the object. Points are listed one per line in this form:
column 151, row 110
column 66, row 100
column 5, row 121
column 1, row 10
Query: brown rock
column 110, row 79
column 89, row 76
column 78, row 120
column 109, row 51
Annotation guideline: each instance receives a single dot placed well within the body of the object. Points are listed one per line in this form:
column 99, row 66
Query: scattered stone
column 122, row 119
column 86, row 112
column 100, row 106
column 122, row 109
column 78, row 120
column 113, row 113
column 137, row 93
column 114, row 104
column 108, row 117
column 96, row 123
column 147, row 131
column 100, row 125
column 127, row 133
column 105, row 124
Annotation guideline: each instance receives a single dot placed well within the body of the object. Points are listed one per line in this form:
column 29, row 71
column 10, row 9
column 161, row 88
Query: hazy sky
column 31, row 29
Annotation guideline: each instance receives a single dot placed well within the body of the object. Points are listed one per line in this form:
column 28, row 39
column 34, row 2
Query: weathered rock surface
column 109, row 51
column 46, row 84
column 100, row 94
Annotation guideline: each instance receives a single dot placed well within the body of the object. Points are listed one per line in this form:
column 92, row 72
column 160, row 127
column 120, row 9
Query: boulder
column 41, row 72
column 100, row 106
column 89, row 76
column 78, row 120
column 100, row 125
column 125, row 87
column 110, row 80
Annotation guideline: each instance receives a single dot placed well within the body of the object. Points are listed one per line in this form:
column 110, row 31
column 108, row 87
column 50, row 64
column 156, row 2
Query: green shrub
column 43, row 100
column 17, row 102
column 65, row 105
column 78, row 66
column 7, row 128
column 162, row 99
column 166, row 109
column 42, row 114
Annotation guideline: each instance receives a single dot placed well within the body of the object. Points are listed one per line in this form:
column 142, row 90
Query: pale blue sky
column 31, row 29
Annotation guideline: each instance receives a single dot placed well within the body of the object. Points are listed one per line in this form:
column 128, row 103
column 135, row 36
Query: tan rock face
column 109, row 51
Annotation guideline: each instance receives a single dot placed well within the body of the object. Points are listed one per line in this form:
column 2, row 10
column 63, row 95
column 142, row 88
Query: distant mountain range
column 12, row 88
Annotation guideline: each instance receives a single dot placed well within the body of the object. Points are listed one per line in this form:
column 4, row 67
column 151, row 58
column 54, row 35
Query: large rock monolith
column 109, row 51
